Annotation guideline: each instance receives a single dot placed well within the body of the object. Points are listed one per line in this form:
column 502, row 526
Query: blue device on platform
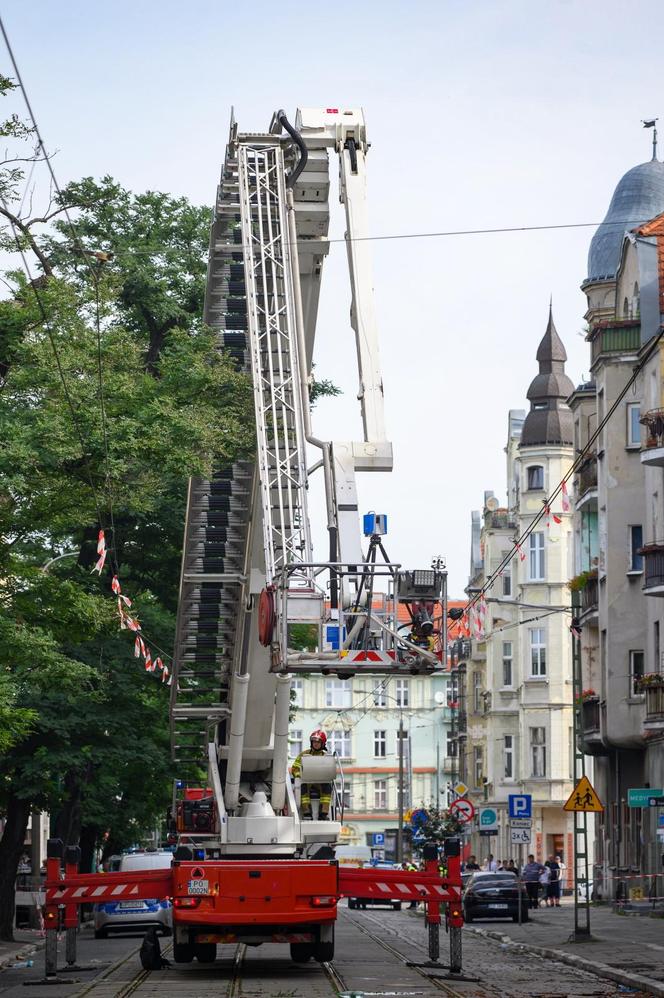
column 374, row 523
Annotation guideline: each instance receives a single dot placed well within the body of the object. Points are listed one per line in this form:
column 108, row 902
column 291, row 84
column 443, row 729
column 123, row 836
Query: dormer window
column 540, row 405
column 535, row 475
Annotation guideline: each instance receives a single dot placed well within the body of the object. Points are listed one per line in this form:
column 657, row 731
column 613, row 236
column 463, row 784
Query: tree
column 433, row 824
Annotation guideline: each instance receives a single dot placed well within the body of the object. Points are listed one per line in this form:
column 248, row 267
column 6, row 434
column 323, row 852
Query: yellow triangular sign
column 583, row 798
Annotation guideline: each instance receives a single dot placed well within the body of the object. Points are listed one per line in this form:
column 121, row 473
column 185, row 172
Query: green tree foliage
column 88, row 739
column 438, row 825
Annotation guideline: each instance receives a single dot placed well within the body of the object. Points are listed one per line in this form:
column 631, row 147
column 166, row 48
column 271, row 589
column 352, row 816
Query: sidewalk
column 628, row 949
column 25, row 945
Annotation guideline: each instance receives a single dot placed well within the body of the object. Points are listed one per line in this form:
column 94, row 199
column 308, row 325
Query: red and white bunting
column 522, row 556
column 565, row 498
column 101, row 542
column 115, row 585
column 148, row 662
column 137, row 648
column 557, row 519
column 158, row 664
column 547, row 515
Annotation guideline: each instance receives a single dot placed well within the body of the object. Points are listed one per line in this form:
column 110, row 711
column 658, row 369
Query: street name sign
column 521, row 822
column 583, row 798
column 640, row 796
column 656, row 802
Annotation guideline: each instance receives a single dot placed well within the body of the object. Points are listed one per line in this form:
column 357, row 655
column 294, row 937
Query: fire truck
column 249, row 866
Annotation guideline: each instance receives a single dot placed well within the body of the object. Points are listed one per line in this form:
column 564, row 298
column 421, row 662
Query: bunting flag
column 522, row 556
column 115, row 585
column 158, row 664
column 137, row 648
column 547, row 515
column 566, row 502
column 101, row 551
column 165, row 674
column 128, row 623
column 148, row 662
column 557, row 519
column 575, row 630
column 101, row 542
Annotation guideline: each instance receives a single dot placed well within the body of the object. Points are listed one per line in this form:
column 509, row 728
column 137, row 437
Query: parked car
column 495, row 895
column 136, row 916
column 375, row 902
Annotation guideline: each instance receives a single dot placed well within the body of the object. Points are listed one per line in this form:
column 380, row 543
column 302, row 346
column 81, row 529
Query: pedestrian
column 563, row 874
column 531, row 874
column 553, row 886
column 471, row 864
column 411, row 868
column 544, row 878
column 502, row 865
column 512, row 867
column 317, row 743
column 490, row 865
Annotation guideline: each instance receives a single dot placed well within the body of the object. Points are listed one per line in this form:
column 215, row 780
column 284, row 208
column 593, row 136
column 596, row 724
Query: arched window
column 626, row 308
column 535, row 477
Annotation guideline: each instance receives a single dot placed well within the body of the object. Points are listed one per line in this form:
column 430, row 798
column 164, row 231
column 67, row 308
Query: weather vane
column 652, row 123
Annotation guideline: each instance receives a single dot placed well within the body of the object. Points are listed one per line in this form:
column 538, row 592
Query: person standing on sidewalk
column 531, row 873
column 553, row 886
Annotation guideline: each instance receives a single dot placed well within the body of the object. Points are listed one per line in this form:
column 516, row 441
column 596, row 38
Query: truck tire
column 352, row 903
column 183, row 952
column 301, row 952
column 205, row 952
column 324, row 951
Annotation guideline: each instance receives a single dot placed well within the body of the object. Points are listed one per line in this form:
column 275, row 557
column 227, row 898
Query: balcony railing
column 462, row 722
column 587, row 479
column 590, row 595
column 590, row 716
column 499, row 519
column 653, row 420
column 653, row 563
column 615, row 336
column 655, row 703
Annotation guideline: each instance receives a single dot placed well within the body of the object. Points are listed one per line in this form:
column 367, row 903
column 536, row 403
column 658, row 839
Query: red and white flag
column 137, row 647
column 566, row 502
column 522, row 556
column 115, row 585
column 101, row 542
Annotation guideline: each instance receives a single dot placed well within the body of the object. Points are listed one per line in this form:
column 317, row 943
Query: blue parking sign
column 378, row 838
column 520, row 805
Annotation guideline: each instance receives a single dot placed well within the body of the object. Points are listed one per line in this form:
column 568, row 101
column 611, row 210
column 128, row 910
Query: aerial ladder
column 248, row 867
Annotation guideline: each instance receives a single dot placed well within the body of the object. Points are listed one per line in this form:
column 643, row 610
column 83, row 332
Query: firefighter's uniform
column 321, row 791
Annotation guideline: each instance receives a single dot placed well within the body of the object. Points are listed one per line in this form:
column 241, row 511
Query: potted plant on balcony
column 581, row 580
column 584, row 696
column 648, row 681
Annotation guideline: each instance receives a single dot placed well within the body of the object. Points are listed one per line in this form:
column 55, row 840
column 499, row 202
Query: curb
column 25, row 952
column 581, row 963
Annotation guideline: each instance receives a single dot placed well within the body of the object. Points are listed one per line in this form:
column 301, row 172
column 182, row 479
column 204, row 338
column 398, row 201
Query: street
column 372, row 954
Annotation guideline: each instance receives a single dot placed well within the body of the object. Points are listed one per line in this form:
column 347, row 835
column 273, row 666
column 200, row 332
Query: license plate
column 502, row 906
column 131, row 905
column 198, row 886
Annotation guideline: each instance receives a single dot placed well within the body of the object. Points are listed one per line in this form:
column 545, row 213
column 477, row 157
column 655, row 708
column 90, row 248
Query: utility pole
column 400, row 825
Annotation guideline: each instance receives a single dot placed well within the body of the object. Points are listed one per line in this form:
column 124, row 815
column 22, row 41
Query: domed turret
column 550, row 419
column 638, row 197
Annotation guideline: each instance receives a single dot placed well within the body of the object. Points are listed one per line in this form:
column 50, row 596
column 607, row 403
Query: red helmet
column 320, row 735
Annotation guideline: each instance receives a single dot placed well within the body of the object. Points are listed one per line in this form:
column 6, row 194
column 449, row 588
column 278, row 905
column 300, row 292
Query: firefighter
column 317, row 743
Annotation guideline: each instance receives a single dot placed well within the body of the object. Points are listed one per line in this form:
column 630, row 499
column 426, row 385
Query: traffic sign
column 460, row 789
column 488, row 820
column 378, row 838
column 521, row 822
column 519, row 836
column 462, row 809
column 640, row 796
column 660, row 820
column 656, row 802
column 520, row 805
column 583, row 798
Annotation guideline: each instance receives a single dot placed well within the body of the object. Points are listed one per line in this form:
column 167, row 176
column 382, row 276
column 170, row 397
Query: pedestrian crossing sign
column 583, row 798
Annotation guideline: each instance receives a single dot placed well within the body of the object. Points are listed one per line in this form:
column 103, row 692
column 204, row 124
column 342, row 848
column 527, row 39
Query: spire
column 550, row 419
column 652, row 123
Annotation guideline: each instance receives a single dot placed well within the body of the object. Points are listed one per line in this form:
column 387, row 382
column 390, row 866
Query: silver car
column 136, row 916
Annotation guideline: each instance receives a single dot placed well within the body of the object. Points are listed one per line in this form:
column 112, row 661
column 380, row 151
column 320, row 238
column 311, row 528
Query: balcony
column 653, row 565
column 590, row 596
column 655, row 706
column 590, row 726
column 499, row 519
column 450, row 764
column 586, row 484
column 652, row 452
column 462, row 722
column 615, row 336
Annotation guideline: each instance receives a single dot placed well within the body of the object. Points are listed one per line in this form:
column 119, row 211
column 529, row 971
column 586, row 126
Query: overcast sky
column 480, row 115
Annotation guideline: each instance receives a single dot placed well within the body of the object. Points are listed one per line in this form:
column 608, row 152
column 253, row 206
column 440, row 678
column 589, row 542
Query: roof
column 638, row 197
column 550, row 419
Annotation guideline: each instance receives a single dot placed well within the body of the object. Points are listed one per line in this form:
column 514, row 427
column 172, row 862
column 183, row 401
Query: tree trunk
column 89, row 836
column 68, row 821
column 11, row 849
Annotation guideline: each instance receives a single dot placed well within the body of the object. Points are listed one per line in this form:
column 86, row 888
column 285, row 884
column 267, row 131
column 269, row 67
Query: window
column 379, row 696
column 509, row 757
column 537, row 752
column 451, row 749
column 537, row 651
column 477, row 692
column 380, row 795
column 507, row 663
column 656, row 646
column 338, row 693
column 297, row 692
column 633, row 425
column 636, row 669
column 348, row 794
column 635, row 542
column 453, row 690
column 536, row 556
column 340, row 742
column 507, row 580
column 535, row 476
column 402, row 692
column 478, row 765
column 572, row 753
column 380, row 744
column 294, row 743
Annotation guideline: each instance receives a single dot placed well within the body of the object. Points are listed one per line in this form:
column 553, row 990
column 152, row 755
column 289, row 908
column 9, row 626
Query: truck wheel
column 352, row 903
column 324, row 951
column 301, row 952
column 205, row 952
column 183, row 952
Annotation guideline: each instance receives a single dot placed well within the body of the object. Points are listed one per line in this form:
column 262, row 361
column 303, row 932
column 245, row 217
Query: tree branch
column 23, row 227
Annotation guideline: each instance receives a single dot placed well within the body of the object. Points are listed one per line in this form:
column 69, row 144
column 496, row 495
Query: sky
column 480, row 115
